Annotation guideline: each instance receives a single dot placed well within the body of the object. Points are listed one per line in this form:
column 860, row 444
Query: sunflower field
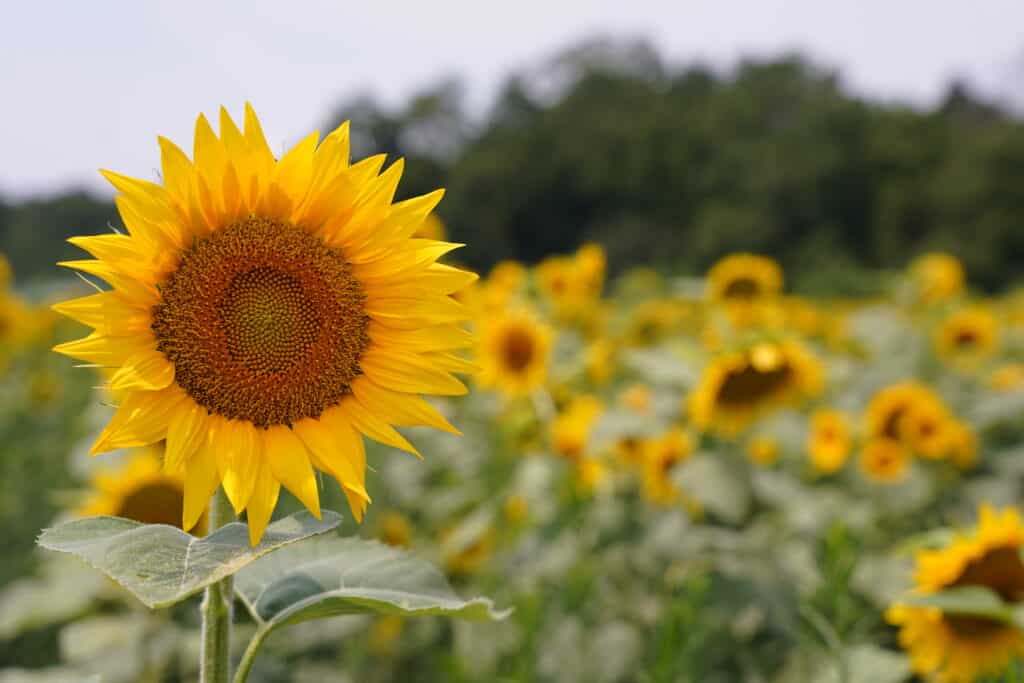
column 653, row 477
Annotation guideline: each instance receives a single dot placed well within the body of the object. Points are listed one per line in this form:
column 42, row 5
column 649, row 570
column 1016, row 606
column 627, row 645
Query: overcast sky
column 90, row 84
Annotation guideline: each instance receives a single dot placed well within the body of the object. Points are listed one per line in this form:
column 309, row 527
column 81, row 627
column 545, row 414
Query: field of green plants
column 663, row 477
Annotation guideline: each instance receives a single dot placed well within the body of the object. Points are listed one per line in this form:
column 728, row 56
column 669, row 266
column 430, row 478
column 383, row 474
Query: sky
column 91, row 84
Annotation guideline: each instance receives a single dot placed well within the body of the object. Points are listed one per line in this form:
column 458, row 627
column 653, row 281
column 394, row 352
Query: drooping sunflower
column 884, row 460
column 139, row 489
column 263, row 313
column 744, row 278
column 828, row 440
column 969, row 335
column 957, row 648
column 937, row 277
column 739, row 386
column 513, row 352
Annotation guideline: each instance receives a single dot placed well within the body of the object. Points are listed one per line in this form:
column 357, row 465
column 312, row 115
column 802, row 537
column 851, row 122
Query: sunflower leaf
column 162, row 565
column 331, row 576
column 966, row 601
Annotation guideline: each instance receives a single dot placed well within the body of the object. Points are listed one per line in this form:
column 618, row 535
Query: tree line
column 673, row 166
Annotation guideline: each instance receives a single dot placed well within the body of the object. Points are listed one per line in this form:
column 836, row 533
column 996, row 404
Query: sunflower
column 763, row 451
column 926, row 428
column 828, row 441
column 969, row 335
column 661, row 455
column 139, row 489
column 571, row 429
column 1007, row 378
column 884, row 460
column 599, row 361
column 513, row 352
column 263, row 313
column 959, row 648
column 890, row 407
column 744, row 278
column 394, row 529
column 739, row 386
column 572, row 283
column 637, row 398
column 937, row 277
column 653, row 321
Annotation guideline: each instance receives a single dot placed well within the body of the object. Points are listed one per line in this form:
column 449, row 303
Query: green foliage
column 162, row 565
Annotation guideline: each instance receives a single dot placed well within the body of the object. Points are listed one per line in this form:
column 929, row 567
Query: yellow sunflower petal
column 399, row 408
column 238, row 444
column 289, row 463
column 261, row 507
column 141, row 419
column 202, row 478
column 334, row 449
column 374, row 427
column 186, row 435
column 146, row 370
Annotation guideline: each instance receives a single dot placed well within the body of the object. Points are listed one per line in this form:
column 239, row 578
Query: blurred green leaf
column 162, row 565
column 326, row 577
column 967, row 601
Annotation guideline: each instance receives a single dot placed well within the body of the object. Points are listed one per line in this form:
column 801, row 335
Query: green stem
column 215, row 665
column 250, row 655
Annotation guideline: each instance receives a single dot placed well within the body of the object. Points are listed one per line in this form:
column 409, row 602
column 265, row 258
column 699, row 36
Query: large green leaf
column 330, row 576
column 162, row 565
column 968, row 601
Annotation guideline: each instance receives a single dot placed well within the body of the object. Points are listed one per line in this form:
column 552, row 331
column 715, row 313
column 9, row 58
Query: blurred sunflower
column 653, row 321
column 890, row 407
column 637, row 398
column 937, row 277
column 739, row 386
column 958, row 648
column 1007, row 378
column 661, row 455
column 744, row 278
column 570, row 430
column 394, row 529
column 828, row 440
column 968, row 335
column 962, row 444
column 513, row 352
column 925, row 428
column 763, row 451
column 592, row 474
column 264, row 312
column 884, row 460
column 599, row 361
column 139, row 489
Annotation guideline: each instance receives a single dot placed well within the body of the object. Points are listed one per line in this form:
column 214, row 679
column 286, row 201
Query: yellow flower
column 925, row 427
column 139, row 489
column 891, row 406
column 828, row 442
column 571, row 429
column 592, row 474
column 744, row 278
column 513, row 352
column 739, row 386
column 637, row 398
column 763, row 451
column 572, row 283
column 958, row 648
column 962, row 445
column 652, row 321
column 937, row 277
column 591, row 262
column 516, row 510
column 394, row 529
column 600, row 361
column 884, row 460
column 968, row 335
column 661, row 455
column 1007, row 378
column 264, row 313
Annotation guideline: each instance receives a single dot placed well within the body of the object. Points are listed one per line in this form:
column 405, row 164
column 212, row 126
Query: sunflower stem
column 215, row 665
column 250, row 655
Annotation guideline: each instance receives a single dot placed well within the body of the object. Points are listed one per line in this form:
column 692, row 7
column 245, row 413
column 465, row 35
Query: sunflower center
column 965, row 338
column 156, row 503
column 750, row 385
column 742, row 288
column 517, row 350
column 263, row 322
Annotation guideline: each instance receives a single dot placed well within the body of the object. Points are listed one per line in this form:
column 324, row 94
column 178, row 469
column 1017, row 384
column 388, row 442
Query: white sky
column 89, row 84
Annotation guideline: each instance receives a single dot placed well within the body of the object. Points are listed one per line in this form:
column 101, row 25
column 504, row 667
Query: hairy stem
column 250, row 655
column 215, row 665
